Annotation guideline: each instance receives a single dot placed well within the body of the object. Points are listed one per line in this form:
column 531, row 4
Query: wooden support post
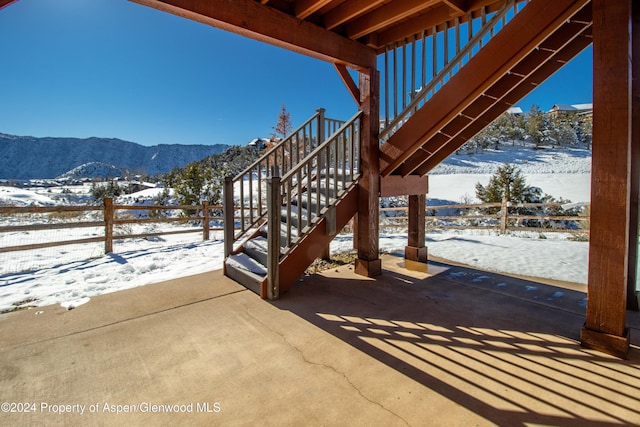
column 326, row 253
column 205, row 220
column 108, row 225
column 331, row 230
column 273, row 234
column 632, row 294
column 504, row 213
column 416, row 249
column 321, row 126
column 368, row 262
column 605, row 327
column 229, row 214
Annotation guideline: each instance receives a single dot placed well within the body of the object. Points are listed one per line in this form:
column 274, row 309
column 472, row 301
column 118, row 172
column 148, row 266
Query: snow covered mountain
column 27, row 157
column 93, row 170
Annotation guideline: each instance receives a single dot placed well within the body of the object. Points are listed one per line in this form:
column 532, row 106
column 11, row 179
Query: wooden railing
column 506, row 218
column 246, row 194
column 417, row 68
column 109, row 219
column 319, row 180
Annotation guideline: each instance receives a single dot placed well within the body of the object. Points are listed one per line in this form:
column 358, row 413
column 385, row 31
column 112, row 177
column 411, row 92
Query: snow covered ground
column 63, row 275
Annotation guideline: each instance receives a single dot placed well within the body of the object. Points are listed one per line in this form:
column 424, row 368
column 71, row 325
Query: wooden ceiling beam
column 386, row 15
column 438, row 16
column 351, row 85
column 5, row 3
column 413, row 26
column 304, row 8
column 458, row 6
column 251, row 19
column 349, row 10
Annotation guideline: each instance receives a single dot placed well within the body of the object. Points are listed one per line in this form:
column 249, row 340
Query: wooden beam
column 386, row 15
column 489, row 113
column 348, row 82
column 632, row 297
column 254, row 20
column 304, row 8
column 605, row 327
column 458, row 6
column 368, row 262
column 5, row 3
column 438, row 17
column 348, row 11
column 396, row 185
column 416, row 249
column 413, row 26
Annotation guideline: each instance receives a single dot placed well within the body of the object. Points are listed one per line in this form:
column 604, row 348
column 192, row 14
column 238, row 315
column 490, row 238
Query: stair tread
column 265, row 229
column 245, row 262
column 258, row 243
column 294, row 210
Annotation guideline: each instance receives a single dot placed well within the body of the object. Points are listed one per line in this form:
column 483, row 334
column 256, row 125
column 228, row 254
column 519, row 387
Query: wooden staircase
column 305, row 208
column 288, row 205
column 537, row 42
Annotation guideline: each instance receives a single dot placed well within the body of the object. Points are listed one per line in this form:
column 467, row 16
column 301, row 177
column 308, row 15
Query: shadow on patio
column 445, row 346
column 504, row 348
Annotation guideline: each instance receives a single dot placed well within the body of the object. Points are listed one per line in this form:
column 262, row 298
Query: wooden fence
column 110, row 218
column 505, row 219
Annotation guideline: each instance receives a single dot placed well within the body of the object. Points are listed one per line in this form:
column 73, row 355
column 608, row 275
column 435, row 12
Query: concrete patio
column 445, row 346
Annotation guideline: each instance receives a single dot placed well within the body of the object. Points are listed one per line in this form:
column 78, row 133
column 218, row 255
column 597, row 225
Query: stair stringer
column 449, row 110
column 296, row 261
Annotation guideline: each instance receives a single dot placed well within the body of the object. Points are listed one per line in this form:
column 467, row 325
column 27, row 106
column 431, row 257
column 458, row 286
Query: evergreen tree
column 538, row 127
column 192, row 184
column 110, row 189
column 204, row 179
column 507, row 182
column 584, row 130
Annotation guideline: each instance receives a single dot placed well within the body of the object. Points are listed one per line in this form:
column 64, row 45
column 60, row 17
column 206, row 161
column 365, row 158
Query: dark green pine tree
column 507, row 182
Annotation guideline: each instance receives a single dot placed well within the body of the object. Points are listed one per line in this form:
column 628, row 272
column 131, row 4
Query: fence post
column 108, row 224
column 205, row 220
column 228, row 214
column 273, row 244
column 503, row 216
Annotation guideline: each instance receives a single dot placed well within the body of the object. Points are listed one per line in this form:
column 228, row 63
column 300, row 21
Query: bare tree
column 283, row 126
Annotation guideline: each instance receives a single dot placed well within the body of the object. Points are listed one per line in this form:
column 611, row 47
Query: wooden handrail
column 393, row 118
column 328, row 165
column 279, row 160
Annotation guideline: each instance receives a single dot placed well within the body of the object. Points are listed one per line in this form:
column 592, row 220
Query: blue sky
column 112, row 68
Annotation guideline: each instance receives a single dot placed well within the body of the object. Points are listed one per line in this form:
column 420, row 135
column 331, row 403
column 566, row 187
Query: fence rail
column 109, row 220
column 505, row 219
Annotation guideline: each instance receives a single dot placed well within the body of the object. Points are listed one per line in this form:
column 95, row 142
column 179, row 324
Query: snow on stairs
column 248, row 265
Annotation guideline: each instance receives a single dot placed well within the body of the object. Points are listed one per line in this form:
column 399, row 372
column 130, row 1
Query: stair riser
column 246, row 279
column 258, row 255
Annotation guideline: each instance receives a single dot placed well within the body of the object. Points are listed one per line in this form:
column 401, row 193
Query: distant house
column 564, row 109
column 261, row 143
column 515, row 111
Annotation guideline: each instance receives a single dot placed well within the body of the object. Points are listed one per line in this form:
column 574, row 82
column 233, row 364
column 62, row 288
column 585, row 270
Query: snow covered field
column 63, row 275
